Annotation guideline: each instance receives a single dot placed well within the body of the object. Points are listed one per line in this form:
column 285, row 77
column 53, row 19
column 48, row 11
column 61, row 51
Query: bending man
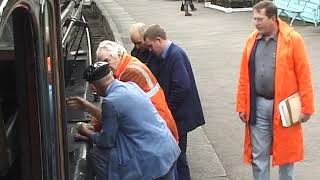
column 131, row 145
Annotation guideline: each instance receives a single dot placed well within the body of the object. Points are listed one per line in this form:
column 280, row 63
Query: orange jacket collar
column 125, row 60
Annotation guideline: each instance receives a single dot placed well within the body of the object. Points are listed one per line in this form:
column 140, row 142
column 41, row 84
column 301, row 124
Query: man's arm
column 76, row 102
column 180, row 84
column 303, row 74
column 242, row 84
column 106, row 138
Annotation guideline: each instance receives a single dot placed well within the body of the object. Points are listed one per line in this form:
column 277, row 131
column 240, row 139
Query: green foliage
column 235, row 3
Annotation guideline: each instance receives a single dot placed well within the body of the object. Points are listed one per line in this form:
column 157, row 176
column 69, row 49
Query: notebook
column 290, row 109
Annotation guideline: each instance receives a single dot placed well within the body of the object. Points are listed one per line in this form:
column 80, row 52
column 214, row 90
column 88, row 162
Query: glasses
column 258, row 20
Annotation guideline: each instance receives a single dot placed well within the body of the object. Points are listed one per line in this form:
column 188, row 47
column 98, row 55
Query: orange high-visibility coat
column 131, row 69
column 292, row 74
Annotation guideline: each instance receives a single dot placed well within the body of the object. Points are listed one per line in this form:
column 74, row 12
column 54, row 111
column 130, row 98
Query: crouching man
column 134, row 142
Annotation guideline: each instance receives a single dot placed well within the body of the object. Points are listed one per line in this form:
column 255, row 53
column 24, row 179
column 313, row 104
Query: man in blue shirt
column 134, row 143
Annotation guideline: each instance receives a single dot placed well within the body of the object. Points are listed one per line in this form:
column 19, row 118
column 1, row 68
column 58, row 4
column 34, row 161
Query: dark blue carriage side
column 34, row 126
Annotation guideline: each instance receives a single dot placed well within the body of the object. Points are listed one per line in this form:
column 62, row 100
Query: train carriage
column 42, row 52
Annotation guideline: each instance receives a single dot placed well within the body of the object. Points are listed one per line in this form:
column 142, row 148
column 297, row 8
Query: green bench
column 305, row 10
column 291, row 8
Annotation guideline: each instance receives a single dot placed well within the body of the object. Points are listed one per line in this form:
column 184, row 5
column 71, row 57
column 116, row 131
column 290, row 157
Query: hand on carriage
column 79, row 137
column 76, row 102
column 83, row 131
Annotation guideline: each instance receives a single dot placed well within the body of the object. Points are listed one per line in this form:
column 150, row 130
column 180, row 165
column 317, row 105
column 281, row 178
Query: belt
column 266, row 97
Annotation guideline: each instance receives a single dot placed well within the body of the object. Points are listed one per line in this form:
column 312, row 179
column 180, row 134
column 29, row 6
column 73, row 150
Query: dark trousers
column 182, row 163
column 97, row 162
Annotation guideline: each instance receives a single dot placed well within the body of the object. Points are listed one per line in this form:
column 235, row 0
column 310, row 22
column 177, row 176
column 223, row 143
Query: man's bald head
column 137, row 33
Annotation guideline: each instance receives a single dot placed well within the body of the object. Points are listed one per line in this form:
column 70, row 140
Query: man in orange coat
column 128, row 68
column 274, row 66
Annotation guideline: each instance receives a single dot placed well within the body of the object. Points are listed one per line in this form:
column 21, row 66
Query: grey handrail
column 73, row 19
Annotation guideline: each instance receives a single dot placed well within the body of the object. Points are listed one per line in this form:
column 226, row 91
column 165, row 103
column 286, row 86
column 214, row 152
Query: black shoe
column 182, row 7
column 188, row 14
column 193, row 8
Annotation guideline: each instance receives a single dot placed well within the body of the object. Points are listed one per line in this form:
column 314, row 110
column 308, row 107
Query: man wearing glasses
column 274, row 66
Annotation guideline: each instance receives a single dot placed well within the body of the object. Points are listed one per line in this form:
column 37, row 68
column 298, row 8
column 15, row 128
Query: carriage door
column 20, row 130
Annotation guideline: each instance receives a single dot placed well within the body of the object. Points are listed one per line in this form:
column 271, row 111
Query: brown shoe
column 188, row 14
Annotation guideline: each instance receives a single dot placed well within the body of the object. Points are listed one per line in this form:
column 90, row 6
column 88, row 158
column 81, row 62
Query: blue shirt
column 166, row 48
column 140, row 146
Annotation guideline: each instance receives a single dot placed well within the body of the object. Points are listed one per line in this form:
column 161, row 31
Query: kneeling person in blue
column 134, row 143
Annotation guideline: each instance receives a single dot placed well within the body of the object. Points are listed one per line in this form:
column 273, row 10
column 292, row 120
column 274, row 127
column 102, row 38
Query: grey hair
column 140, row 27
column 115, row 49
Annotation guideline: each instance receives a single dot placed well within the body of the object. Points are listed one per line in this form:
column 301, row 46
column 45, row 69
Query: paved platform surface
column 214, row 41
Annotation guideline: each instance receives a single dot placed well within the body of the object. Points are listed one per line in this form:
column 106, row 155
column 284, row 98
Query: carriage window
column 7, row 71
column 7, row 96
column 6, row 39
column 8, row 100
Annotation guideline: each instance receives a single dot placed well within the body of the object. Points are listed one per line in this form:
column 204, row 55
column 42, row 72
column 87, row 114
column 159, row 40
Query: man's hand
column 79, row 137
column 76, row 102
column 242, row 116
column 304, row 117
column 84, row 130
